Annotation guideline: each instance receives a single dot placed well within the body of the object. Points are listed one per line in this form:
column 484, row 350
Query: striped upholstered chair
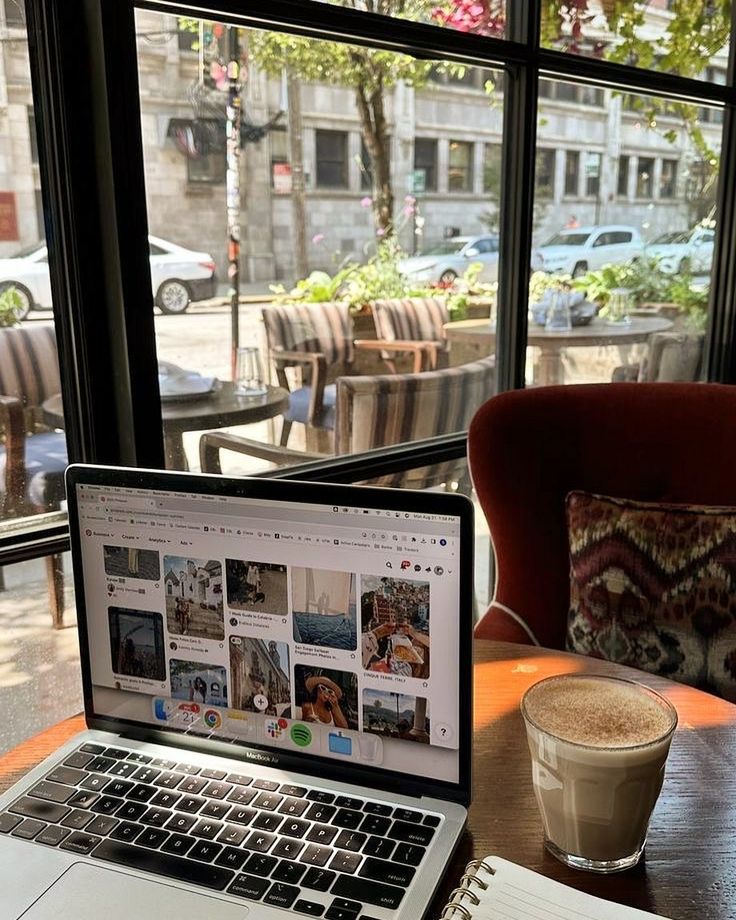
column 415, row 320
column 32, row 458
column 376, row 411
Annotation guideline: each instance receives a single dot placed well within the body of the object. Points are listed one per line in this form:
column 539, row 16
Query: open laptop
column 277, row 687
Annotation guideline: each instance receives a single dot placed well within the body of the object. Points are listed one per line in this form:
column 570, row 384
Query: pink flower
column 366, row 202
column 410, row 199
column 317, row 238
column 380, row 232
column 408, row 211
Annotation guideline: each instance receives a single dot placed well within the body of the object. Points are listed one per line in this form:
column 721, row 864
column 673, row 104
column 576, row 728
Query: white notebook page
column 515, row 893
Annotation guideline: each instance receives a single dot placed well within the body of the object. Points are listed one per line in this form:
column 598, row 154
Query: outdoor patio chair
column 317, row 339
column 32, row 458
column 653, row 443
column 375, row 411
column 416, row 320
column 672, row 357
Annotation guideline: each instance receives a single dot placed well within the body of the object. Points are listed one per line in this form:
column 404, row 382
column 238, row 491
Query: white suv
column 574, row 252
column 683, row 251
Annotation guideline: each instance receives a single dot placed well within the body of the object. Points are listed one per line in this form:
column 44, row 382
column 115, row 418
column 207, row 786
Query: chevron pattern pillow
column 653, row 586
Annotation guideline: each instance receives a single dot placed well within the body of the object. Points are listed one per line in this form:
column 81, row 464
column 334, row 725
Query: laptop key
column 241, row 815
column 265, row 821
column 119, row 787
column 297, row 792
column 77, row 819
column 259, row 841
column 188, row 768
column 432, row 820
column 204, row 850
column 347, row 801
column 316, row 855
column 322, row 833
column 380, row 870
column 359, row 889
column 233, row 835
column 152, row 837
column 107, row 805
column 78, row 759
column 215, row 809
column 163, row 764
column 241, row 796
column 137, row 757
column 294, row 827
column 53, row 835
column 269, row 801
column 231, row 858
column 311, row 908
column 156, row 817
column 348, row 818
column 406, row 814
column 411, row 833
column 79, row 842
column 207, row 829
column 69, row 776
column 268, row 784
column 28, row 828
column 8, row 822
column 258, row 864
column 96, row 782
column 122, row 768
column 117, row 753
column 289, row 872
column 409, row 854
column 319, row 812
column 248, row 886
column 132, row 811
column 213, row 774
column 127, row 831
column 192, row 785
column 294, row 807
column 51, row 792
column 378, row 808
column 351, row 840
column 102, row 825
column 240, row 779
column 344, row 861
column 216, row 790
column 342, row 909
column 177, row 844
column 288, row 849
column 318, row 879
column 38, row 808
column 182, row 823
column 190, row 804
column 83, row 798
column 165, row 799
column 379, row 846
column 90, row 748
column 101, row 764
column 317, row 795
column 146, row 774
column 281, row 895
column 160, row 863
column 169, row 780
column 373, row 824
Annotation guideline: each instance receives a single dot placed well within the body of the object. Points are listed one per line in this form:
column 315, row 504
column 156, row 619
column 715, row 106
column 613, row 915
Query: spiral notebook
column 495, row 889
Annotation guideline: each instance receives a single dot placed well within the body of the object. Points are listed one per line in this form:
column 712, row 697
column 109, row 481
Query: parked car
column 178, row 275
column 574, row 252
column 683, row 251
column 444, row 261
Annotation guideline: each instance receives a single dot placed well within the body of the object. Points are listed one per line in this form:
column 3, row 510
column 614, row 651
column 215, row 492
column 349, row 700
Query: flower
column 380, row 232
column 410, row 199
column 366, row 202
column 408, row 210
column 317, row 238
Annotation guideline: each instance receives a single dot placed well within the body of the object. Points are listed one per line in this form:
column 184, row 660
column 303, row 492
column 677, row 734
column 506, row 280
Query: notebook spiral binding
column 464, row 891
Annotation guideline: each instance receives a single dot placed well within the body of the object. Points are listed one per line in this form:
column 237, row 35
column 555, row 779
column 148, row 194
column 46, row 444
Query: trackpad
column 87, row 892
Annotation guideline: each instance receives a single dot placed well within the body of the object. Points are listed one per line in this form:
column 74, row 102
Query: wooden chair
column 375, row 411
column 316, row 339
column 416, row 320
column 673, row 357
column 32, row 458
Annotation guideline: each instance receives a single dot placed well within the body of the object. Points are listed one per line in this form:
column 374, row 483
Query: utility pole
column 233, row 115
column 296, row 155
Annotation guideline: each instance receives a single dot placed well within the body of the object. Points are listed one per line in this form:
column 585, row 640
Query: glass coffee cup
column 599, row 747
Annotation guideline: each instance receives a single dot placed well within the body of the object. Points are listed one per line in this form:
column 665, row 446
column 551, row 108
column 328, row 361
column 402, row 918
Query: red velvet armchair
column 527, row 449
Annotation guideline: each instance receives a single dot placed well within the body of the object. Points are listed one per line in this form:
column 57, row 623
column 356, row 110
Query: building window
column 425, row 160
column 206, row 160
column 15, row 13
column 460, row 173
column 644, row 177
column 280, row 167
column 668, row 179
column 492, row 169
column 572, row 172
column 545, row 173
column 622, row 189
column 332, row 159
column 592, row 174
column 366, row 165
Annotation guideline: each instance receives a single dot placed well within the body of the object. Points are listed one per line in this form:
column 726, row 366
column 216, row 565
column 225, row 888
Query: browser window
column 324, row 630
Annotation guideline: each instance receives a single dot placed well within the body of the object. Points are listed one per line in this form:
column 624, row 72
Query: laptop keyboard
column 277, row 843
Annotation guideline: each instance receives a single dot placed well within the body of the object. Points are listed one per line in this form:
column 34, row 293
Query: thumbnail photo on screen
column 395, row 626
column 259, row 675
column 198, row 682
column 194, row 597
column 396, row 715
column 257, row 586
column 137, row 643
column 324, row 608
column 326, row 696
column 130, row 562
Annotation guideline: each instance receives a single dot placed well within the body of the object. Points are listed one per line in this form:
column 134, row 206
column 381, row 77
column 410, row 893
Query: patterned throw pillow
column 654, row 586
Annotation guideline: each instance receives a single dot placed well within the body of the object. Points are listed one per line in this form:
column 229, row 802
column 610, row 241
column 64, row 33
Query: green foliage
column 692, row 301
column 543, row 281
column 11, row 306
column 641, row 276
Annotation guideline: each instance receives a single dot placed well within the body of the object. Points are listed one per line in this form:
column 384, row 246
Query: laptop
column 277, row 689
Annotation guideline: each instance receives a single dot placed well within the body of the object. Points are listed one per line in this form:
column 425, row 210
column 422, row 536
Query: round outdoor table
column 548, row 369
column 688, row 870
column 215, row 410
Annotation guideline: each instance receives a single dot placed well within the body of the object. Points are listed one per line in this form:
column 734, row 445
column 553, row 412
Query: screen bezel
column 299, row 492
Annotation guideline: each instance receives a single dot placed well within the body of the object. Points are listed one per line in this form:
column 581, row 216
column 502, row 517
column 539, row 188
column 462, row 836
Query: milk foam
column 598, row 712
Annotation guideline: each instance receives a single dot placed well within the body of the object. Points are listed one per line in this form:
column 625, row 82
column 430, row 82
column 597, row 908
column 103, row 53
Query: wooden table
column 689, row 872
column 216, row 410
column 548, row 369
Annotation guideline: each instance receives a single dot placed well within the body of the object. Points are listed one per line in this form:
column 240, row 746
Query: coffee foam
column 597, row 712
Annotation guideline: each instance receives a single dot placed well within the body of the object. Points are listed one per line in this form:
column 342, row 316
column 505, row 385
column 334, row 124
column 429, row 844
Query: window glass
column 685, row 37
column 572, row 172
column 545, row 173
column 460, row 175
column 346, row 196
column 649, row 167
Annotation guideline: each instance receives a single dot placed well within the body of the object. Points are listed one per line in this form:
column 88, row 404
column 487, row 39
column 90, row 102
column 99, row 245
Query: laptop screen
column 321, row 630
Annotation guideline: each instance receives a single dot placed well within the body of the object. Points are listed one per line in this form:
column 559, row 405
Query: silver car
column 446, row 260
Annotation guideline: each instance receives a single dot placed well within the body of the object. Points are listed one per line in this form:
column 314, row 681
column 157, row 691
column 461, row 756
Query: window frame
column 342, row 162
column 94, row 200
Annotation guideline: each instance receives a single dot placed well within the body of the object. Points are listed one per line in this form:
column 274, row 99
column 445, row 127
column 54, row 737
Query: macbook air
column 277, row 691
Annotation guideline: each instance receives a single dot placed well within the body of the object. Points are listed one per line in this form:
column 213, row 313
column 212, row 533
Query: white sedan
column 443, row 262
column 178, row 275
column 683, row 251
